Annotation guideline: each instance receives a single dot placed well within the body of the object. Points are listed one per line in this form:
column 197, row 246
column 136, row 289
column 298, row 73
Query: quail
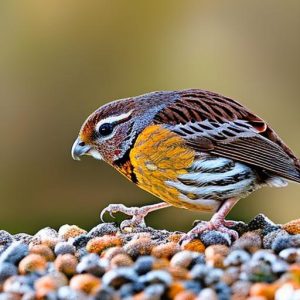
column 193, row 149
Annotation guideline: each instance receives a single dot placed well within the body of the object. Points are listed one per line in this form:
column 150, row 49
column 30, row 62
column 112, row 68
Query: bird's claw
column 134, row 222
column 203, row 226
column 111, row 209
column 137, row 215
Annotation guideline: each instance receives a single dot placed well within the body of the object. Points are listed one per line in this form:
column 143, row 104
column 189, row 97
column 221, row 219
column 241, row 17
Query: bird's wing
column 221, row 126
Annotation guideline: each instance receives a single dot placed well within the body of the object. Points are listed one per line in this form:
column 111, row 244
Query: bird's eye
column 106, row 129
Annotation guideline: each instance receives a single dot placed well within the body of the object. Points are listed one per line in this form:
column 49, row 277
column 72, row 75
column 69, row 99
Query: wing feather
column 222, row 127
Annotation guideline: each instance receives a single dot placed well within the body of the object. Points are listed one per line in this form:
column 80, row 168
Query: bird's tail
column 297, row 169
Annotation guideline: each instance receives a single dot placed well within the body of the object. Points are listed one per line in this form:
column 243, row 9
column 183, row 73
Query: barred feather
column 222, row 127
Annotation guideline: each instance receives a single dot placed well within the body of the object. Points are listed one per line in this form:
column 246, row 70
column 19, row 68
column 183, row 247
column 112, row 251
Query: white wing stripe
column 229, row 130
column 238, row 187
column 210, row 164
column 207, row 177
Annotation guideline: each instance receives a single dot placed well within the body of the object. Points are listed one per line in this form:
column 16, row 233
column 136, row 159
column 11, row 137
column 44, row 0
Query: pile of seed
column 107, row 264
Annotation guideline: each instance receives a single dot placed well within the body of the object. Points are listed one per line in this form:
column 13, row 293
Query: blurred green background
column 60, row 60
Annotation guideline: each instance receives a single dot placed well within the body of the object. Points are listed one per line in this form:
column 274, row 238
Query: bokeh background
column 60, row 60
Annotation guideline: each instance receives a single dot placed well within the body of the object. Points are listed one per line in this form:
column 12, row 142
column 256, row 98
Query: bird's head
column 109, row 132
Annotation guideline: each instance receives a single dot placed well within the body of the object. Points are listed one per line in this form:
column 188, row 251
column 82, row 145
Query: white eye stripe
column 113, row 119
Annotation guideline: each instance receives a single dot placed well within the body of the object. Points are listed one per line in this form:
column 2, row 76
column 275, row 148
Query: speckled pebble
column 185, row 295
column 113, row 251
column 175, row 288
column 215, row 255
column 280, row 267
column 175, row 236
column 102, row 229
column 23, row 237
column 49, row 283
column 105, row 293
column 264, row 256
column 292, row 227
column 14, row 253
column 291, row 255
column 215, row 237
column 157, row 276
column 7, row 270
column 80, row 241
column 264, row 223
column 270, row 237
column 32, row 263
column 18, row 284
column 287, row 292
column 241, row 289
column 178, row 273
column 116, row 277
column 161, row 263
column 240, row 227
column 207, row 294
column 284, row 242
column 44, row 251
column 47, row 236
column 231, row 275
column 264, row 290
column 128, row 289
column 66, row 263
column 67, row 293
column 250, row 241
column 99, row 244
column 5, row 240
column 194, row 245
column 64, row 248
column 139, row 246
column 92, row 264
column 237, row 258
column 165, row 250
column 213, row 276
column 193, row 286
column 70, row 231
column 80, row 253
column 258, row 271
column 155, row 291
column 86, row 283
column 121, row 260
column 199, row 272
column 144, row 264
column 223, row 291
column 183, row 259
column 199, row 260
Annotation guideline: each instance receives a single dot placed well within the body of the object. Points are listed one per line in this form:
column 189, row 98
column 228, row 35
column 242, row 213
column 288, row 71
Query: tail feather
column 294, row 175
column 275, row 181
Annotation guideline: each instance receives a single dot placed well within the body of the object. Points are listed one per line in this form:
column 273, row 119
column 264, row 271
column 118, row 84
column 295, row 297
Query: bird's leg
column 217, row 222
column 138, row 213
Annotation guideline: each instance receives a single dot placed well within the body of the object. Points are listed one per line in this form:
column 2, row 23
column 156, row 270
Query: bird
column 193, row 149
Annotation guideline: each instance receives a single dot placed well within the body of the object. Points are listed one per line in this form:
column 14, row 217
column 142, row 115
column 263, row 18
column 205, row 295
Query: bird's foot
column 138, row 215
column 226, row 223
column 214, row 224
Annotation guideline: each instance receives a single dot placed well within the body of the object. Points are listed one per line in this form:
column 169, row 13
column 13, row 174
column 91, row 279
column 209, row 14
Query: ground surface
column 105, row 263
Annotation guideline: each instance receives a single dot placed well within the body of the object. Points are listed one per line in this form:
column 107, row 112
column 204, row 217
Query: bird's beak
column 79, row 148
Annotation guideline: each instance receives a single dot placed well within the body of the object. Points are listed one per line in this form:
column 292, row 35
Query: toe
column 111, row 209
column 132, row 223
column 102, row 214
column 232, row 233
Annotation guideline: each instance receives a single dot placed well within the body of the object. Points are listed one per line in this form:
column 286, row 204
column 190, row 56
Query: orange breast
column 160, row 155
